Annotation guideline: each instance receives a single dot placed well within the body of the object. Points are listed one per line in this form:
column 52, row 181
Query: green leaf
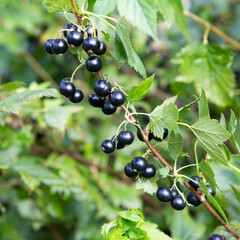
column 203, row 106
column 59, row 6
column 91, row 4
column 175, row 144
column 232, row 123
column 184, row 110
column 236, row 193
column 137, row 92
column 164, row 116
column 140, row 13
column 208, row 174
column 105, row 7
column 209, row 67
column 11, row 104
column 134, row 215
column 213, row 201
column 10, row 86
column 173, row 10
column 124, row 49
column 148, row 186
column 211, row 134
column 164, row 171
column 30, row 181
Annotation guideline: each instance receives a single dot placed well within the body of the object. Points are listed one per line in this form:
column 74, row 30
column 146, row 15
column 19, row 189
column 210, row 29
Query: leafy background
column 48, row 190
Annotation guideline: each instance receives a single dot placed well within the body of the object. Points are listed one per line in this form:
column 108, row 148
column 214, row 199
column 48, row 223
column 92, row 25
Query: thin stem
column 77, row 68
column 196, row 157
column 99, row 15
column 65, row 15
column 102, row 19
column 234, row 167
column 206, row 33
column 187, row 166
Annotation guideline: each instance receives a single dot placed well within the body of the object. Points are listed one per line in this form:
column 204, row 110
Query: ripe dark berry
column 95, row 100
column 75, row 38
column 102, row 49
column 93, row 64
column 140, row 137
column 67, row 89
column 192, row 199
column 139, row 164
column 164, row 194
column 149, row 172
column 108, row 108
column 119, row 146
column 178, row 203
column 91, row 44
column 174, row 193
column 129, row 172
column 77, row 97
column 165, row 134
column 59, row 46
column 70, row 27
column 210, row 189
column 117, row 98
column 215, row 237
column 108, row 146
column 102, row 88
column 125, row 138
column 90, row 31
column 193, row 184
column 48, row 46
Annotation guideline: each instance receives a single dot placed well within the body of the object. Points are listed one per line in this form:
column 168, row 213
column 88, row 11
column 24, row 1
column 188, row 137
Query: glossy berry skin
column 215, row 237
column 48, row 46
column 178, row 203
column 193, row 200
column 174, row 193
column 77, row 97
column 129, row 172
column 117, row 98
column 210, row 189
column 102, row 88
column 149, row 172
column 93, row 64
column 67, row 89
column 164, row 194
column 108, row 146
column 139, row 164
column 75, row 38
column 90, row 32
column 125, row 138
column 165, row 134
column 108, row 108
column 70, row 27
column 95, row 100
column 91, row 44
column 119, row 146
column 65, row 80
column 59, row 46
column 140, row 137
column 102, row 49
column 193, row 184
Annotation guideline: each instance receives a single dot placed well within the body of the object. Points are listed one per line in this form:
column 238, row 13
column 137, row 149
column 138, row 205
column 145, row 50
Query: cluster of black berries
column 139, row 166
column 151, row 136
column 216, row 237
column 165, row 194
column 191, row 198
column 105, row 98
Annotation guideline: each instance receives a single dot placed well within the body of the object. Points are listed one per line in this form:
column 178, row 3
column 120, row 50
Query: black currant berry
column 129, row 172
column 91, row 44
column 119, row 146
column 75, row 38
column 174, row 193
column 149, row 172
column 139, row 164
column 140, row 137
column 192, row 199
column 108, row 146
column 69, row 27
column 93, row 64
column 95, row 100
column 77, row 97
column 193, row 184
column 48, row 46
column 67, row 89
column 117, row 98
column 165, row 134
column 102, row 49
column 108, row 108
column 125, row 138
column 215, row 237
column 90, row 31
column 164, row 194
column 210, row 189
column 102, row 88
column 178, row 203
column 59, row 46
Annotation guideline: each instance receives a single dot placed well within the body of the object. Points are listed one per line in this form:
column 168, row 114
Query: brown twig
column 79, row 17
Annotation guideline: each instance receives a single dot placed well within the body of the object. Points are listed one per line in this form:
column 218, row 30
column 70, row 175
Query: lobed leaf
column 59, row 6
